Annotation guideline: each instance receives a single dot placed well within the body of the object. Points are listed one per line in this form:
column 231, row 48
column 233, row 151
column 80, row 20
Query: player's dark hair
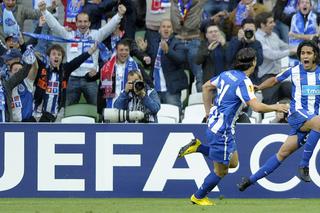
column 244, row 59
column 309, row 43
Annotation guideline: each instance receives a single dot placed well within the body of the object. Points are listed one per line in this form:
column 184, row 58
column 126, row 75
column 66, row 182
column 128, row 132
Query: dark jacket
column 96, row 11
column 11, row 83
column 278, row 13
column 212, row 61
column 235, row 45
column 172, row 66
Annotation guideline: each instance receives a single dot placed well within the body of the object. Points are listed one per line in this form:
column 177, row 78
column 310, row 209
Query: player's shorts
column 222, row 147
column 297, row 119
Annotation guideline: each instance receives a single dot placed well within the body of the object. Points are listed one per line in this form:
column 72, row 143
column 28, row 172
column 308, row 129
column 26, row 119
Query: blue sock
column 309, row 147
column 203, row 149
column 209, row 183
column 267, row 168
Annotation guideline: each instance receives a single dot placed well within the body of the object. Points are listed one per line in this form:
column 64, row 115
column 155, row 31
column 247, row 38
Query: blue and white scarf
column 2, row 104
column 73, row 8
column 157, row 69
column 241, row 13
column 298, row 26
column 291, row 7
column 10, row 25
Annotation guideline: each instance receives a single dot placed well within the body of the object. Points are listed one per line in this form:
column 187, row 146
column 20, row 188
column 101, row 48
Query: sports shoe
column 245, row 183
column 202, row 202
column 304, row 174
column 189, row 148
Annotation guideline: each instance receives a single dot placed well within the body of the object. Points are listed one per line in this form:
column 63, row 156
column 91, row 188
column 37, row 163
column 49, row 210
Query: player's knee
column 233, row 164
column 283, row 154
column 221, row 173
column 316, row 122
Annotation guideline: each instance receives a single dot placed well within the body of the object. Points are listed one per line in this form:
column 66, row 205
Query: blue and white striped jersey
column 234, row 89
column 305, row 88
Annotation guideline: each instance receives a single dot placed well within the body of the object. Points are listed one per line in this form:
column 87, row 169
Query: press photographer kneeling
column 138, row 96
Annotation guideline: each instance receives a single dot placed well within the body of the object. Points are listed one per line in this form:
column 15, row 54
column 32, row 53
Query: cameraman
column 245, row 39
column 137, row 96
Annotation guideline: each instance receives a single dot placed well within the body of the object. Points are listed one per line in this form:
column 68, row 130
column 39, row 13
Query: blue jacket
column 172, row 66
column 149, row 104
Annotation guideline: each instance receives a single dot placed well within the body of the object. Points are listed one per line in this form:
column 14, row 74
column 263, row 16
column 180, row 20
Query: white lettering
column 106, row 160
column 13, row 160
column 163, row 169
column 48, row 159
column 255, row 159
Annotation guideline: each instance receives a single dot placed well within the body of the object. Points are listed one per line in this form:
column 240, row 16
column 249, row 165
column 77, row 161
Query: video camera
column 112, row 115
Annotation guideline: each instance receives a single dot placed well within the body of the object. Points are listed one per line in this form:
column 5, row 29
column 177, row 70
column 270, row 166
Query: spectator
column 113, row 76
column 8, row 84
column 211, row 54
column 186, row 21
column 168, row 73
column 246, row 38
column 137, row 96
column 20, row 14
column 273, row 50
column 51, row 83
column 303, row 24
column 282, row 13
column 154, row 15
column 22, row 97
column 245, row 9
column 78, row 83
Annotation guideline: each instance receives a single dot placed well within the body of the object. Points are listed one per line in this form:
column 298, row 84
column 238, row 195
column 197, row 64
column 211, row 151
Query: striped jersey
column 234, row 90
column 22, row 99
column 305, row 88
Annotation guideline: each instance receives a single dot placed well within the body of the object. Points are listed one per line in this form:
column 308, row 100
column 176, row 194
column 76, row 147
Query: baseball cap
column 13, row 36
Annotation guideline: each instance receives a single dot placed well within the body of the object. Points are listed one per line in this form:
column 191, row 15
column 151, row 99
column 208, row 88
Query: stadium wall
column 130, row 160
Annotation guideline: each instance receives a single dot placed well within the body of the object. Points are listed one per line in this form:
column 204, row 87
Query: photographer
column 246, row 38
column 137, row 96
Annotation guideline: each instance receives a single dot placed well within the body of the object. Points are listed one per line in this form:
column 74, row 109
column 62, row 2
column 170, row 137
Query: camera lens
column 248, row 34
column 138, row 85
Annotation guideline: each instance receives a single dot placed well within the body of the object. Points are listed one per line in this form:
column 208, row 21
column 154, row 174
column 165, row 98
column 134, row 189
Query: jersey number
column 222, row 90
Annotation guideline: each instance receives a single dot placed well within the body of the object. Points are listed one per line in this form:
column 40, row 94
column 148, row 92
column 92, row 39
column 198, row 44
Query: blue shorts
column 221, row 147
column 297, row 119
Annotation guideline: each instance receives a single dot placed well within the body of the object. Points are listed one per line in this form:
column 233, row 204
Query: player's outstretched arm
column 270, row 82
column 261, row 107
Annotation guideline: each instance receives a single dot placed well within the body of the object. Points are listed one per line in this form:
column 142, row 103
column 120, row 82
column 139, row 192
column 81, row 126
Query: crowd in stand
column 95, row 53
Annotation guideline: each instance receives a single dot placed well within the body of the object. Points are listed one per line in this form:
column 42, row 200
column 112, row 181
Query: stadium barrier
column 133, row 160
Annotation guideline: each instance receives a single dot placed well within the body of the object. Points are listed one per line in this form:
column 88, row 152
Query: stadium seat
column 194, row 114
column 166, row 120
column 169, row 111
column 78, row 119
column 257, row 116
column 86, row 110
column 195, row 98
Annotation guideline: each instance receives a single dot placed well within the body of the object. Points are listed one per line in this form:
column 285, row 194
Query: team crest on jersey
column 21, row 88
column 53, row 87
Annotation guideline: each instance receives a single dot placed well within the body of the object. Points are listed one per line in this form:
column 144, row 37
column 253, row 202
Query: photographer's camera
column 248, row 34
column 138, row 85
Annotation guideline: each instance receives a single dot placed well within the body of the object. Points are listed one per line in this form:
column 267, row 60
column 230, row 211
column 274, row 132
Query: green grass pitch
column 153, row 205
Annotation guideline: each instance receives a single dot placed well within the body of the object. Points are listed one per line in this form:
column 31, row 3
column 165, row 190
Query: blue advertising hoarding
column 130, row 160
